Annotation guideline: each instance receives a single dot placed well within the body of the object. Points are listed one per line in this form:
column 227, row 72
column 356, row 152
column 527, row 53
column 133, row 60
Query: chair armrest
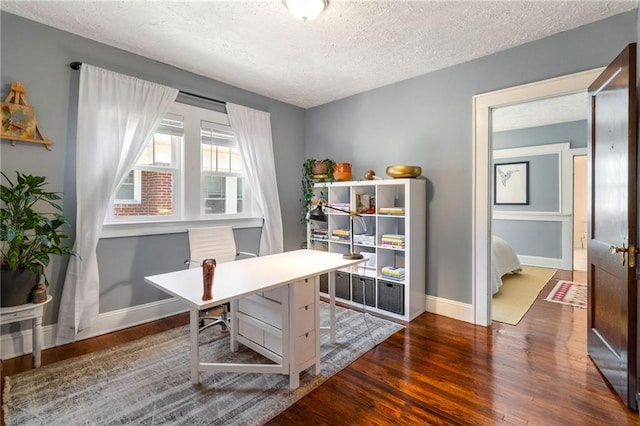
column 246, row 254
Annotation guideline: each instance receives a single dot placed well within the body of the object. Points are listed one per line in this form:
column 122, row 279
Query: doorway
column 482, row 108
column 580, row 218
column 536, row 237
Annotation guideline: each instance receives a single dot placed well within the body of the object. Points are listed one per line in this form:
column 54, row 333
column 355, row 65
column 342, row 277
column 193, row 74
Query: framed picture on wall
column 511, row 183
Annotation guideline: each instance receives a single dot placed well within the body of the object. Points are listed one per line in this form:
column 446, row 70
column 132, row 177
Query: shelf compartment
column 391, row 296
column 361, row 284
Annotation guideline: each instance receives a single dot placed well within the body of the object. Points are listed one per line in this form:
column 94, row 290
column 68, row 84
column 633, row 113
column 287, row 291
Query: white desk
column 295, row 273
column 32, row 311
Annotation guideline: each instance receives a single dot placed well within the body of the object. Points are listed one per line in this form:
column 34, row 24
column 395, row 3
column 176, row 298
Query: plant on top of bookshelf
column 313, row 170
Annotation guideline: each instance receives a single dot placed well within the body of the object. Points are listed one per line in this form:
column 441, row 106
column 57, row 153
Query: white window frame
column 231, row 182
column 188, row 199
column 137, row 190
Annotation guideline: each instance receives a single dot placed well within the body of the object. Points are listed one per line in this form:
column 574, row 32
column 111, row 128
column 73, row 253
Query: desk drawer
column 305, row 319
column 303, row 293
column 263, row 309
column 261, row 337
column 306, row 347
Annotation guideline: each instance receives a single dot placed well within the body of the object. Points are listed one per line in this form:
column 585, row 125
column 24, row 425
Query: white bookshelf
column 402, row 299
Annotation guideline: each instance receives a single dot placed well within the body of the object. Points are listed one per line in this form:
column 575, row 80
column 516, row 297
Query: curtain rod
column 76, row 66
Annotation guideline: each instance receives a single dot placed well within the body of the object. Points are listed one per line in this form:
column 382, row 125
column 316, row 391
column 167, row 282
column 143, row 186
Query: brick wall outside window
column 156, row 193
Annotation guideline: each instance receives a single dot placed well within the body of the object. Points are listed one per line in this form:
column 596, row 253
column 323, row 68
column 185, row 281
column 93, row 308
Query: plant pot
column 342, row 171
column 16, row 287
column 320, row 168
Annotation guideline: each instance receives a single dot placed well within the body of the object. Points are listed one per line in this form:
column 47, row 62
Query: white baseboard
column 450, row 308
column 543, row 262
column 20, row 343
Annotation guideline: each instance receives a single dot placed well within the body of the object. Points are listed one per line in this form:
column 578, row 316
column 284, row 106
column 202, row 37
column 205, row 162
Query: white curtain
column 253, row 133
column 117, row 116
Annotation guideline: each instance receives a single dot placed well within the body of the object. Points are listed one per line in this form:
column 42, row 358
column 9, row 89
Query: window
column 129, row 190
column 191, row 169
column 221, row 170
column 149, row 190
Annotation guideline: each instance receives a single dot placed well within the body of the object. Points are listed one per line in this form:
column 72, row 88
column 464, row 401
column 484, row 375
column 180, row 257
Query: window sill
column 136, row 229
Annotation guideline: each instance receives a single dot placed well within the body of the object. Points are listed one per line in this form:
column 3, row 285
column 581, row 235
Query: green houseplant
column 313, row 169
column 30, row 231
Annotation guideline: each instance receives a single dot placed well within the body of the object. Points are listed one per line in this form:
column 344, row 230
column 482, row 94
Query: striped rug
column 569, row 293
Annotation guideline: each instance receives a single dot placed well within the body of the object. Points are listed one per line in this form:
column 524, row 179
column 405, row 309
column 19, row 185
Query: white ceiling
column 352, row 47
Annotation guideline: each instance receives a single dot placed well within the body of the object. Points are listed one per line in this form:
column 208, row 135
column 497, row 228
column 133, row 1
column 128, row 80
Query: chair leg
column 223, row 320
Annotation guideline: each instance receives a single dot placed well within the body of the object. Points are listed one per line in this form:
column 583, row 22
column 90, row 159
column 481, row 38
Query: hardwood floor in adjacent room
column 443, row 371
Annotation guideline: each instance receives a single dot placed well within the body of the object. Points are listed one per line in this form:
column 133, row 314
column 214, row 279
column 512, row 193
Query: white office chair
column 213, row 243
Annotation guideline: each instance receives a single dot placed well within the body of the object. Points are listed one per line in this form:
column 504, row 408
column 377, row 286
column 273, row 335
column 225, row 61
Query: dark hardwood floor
column 443, row 371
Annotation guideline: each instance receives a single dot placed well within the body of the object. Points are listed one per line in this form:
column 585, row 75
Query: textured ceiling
column 354, row 46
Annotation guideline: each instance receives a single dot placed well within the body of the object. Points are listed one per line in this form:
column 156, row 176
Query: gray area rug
column 147, row 381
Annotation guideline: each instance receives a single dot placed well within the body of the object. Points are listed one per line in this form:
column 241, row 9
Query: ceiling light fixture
column 306, row 10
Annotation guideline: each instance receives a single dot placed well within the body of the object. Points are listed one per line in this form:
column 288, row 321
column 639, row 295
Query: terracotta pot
column 16, row 287
column 342, row 171
column 320, row 168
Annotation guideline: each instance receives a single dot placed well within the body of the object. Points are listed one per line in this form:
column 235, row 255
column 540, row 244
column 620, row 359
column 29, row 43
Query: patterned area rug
column 147, row 382
column 569, row 293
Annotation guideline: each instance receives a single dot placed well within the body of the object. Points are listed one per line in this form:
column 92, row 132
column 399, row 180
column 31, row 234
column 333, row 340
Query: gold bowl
column 404, row 171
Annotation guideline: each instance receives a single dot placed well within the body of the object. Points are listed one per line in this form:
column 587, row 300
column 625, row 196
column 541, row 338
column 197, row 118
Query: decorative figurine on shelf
column 208, row 271
column 369, row 175
column 39, row 293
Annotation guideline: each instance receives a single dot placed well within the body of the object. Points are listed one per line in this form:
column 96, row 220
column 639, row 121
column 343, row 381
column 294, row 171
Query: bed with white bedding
column 503, row 261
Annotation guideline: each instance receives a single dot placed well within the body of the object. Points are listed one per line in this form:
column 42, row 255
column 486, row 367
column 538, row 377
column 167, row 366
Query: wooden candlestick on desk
column 208, row 271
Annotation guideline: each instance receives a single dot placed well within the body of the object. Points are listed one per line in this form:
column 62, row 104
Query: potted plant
column 313, row 169
column 29, row 235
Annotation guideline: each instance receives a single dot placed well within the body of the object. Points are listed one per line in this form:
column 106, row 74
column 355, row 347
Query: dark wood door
column 612, row 236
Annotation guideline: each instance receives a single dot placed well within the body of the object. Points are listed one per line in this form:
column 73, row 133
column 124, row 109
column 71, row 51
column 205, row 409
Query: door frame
column 481, row 152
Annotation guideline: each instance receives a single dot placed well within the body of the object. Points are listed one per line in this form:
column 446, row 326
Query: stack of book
column 340, row 235
column 320, row 234
column 365, row 239
column 346, row 207
column 391, row 210
column 393, row 273
column 392, row 241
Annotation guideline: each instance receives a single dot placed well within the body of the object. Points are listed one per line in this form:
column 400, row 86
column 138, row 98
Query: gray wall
column 39, row 57
column 427, row 121
column 531, row 237
column 544, row 187
column 574, row 132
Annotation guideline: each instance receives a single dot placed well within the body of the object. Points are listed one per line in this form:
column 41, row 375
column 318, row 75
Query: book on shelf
column 392, row 278
column 391, row 210
column 393, row 241
column 341, row 206
column 393, row 246
column 393, row 237
column 340, row 235
column 365, row 239
column 392, row 271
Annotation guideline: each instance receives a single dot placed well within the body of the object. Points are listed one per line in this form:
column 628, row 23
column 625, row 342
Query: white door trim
column 481, row 209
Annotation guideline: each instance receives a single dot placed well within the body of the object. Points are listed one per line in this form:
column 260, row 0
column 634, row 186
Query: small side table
column 32, row 311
